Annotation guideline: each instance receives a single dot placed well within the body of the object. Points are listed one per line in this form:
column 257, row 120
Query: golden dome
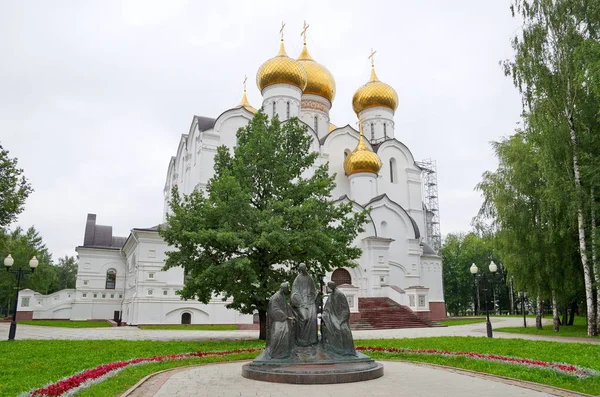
column 362, row 159
column 332, row 127
column 245, row 104
column 281, row 70
column 320, row 80
column 374, row 93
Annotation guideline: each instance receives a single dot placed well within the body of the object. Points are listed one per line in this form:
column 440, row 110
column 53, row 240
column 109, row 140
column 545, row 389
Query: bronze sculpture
column 335, row 327
column 280, row 324
column 303, row 301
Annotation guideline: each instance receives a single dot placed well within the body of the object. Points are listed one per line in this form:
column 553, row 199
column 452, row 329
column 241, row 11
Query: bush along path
column 69, row 386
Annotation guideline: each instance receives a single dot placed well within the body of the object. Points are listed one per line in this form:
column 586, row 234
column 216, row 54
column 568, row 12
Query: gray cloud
column 94, row 95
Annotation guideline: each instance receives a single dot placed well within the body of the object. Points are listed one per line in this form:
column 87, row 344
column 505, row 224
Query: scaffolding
column 431, row 204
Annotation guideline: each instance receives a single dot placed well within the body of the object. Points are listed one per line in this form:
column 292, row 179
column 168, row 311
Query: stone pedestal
column 313, row 365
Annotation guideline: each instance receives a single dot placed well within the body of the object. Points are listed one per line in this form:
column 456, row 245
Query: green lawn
column 28, row 364
column 461, row 321
column 578, row 329
column 196, row 327
column 66, row 323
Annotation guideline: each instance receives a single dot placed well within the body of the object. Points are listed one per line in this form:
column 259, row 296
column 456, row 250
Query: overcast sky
column 94, row 95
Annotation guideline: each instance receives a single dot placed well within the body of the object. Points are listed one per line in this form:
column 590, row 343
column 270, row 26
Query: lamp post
column 8, row 262
column 523, row 295
column 474, row 271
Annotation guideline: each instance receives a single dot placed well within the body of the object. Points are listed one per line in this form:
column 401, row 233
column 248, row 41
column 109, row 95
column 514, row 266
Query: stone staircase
column 384, row 313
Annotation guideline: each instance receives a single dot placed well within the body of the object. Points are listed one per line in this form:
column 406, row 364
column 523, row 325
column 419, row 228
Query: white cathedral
column 122, row 277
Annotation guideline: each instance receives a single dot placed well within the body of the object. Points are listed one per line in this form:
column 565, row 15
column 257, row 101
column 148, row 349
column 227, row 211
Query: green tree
column 554, row 76
column 459, row 251
column 14, row 189
column 22, row 245
column 260, row 217
column 66, row 272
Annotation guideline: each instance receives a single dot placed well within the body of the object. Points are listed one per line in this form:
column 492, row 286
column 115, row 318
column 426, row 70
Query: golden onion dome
column 332, row 127
column 320, row 80
column 362, row 159
column 374, row 93
column 281, row 70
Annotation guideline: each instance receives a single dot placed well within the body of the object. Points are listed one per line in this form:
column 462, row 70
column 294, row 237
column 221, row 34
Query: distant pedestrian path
column 134, row 333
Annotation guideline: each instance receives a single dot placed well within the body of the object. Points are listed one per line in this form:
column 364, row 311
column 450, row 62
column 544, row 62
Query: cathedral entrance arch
column 341, row 276
column 186, row 318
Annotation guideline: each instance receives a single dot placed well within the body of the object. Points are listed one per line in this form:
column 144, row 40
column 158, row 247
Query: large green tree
column 267, row 209
column 555, row 70
column 14, row 189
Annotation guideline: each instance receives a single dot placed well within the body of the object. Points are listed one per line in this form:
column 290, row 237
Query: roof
column 412, row 221
column 100, row 236
column 205, row 123
column 428, row 249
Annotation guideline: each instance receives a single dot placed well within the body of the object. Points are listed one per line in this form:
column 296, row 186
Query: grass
column 66, row 323
column 461, row 321
column 578, row 329
column 28, row 364
column 195, row 327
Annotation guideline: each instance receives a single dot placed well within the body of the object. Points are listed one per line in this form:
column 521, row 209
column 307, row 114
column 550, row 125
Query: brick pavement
column 225, row 380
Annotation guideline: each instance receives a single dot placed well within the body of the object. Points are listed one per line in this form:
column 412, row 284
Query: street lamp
column 8, row 262
column 474, row 271
column 523, row 296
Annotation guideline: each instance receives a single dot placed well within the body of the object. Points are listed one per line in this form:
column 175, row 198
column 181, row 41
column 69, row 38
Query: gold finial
column 372, row 57
column 281, row 30
column 303, row 33
column 245, row 79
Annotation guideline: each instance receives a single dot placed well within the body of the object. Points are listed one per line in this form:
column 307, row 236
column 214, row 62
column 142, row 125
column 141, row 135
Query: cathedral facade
column 123, row 277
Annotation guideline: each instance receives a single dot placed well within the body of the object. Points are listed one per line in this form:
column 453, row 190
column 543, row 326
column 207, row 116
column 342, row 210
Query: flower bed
column 72, row 384
column 82, row 380
column 568, row 369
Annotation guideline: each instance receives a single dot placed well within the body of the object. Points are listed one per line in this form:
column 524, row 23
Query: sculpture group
column 294, row 325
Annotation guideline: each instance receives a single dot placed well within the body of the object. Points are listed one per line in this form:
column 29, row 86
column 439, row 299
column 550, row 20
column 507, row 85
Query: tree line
column 542, row 200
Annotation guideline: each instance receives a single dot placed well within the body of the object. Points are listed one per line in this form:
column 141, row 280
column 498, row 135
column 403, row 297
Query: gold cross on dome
column 281, row 30
column 303, row 33
column 372, row 57
column 245, row 79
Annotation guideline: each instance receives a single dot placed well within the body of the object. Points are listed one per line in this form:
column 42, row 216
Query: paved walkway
column 134, row 333
column 224, row 380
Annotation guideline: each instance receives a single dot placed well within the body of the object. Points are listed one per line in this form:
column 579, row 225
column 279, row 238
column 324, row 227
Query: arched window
column 384, row 227
column 385, row 130
column 393, row 176
column 274, row 109
column 111, row 279
column 341, row 276
column 288, row 111
column 372, row 131
column 186, row 318
column 316, row 124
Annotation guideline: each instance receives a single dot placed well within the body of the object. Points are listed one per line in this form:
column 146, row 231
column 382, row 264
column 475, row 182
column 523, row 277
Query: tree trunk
column 538, row 315
column 555, row 318
column 573, row 311
column 565, row 317
column 587, row 277
column 595, row 262
column 262, row 317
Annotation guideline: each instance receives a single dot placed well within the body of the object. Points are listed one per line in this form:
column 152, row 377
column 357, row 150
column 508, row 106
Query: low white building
column 123, row 276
